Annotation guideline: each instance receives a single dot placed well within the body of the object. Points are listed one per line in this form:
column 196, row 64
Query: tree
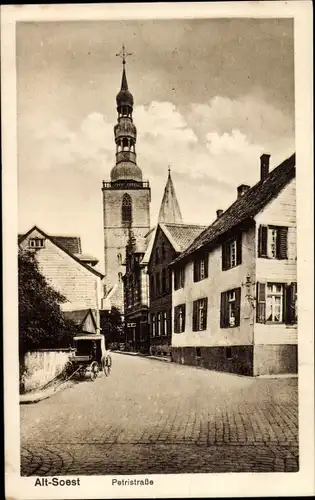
column 111, row 325
column 41, row 321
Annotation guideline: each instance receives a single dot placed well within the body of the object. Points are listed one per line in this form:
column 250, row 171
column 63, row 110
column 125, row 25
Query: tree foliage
column 42, row 324
column 111, row 325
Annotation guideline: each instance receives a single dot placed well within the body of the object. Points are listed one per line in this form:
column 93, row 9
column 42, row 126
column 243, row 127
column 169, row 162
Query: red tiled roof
column 246, row 207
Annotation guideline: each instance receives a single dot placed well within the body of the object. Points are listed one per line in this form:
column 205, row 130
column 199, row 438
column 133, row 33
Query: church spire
column 125, row 131
column 169, row 210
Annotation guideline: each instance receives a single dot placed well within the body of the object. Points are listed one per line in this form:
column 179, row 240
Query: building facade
column 59, row 261
column 126, row 197
column 136, row 295
column 235, row 288
column 170, row 239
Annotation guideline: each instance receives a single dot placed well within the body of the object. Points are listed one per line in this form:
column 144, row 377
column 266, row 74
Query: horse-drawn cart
column 89, row 357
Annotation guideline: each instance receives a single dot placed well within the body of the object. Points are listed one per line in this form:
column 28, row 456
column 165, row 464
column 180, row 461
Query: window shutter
column 184, row 316
column 289, row 304
column 237, row 306
column 223, row 310
column 261, row 303
column 206, row 264
column 206, row 311
column 195, row 270
column 195, row 311
column 169, row 320
column 176, row 319
column 176, row 279
column 225, row 259
column 262, row 241
column 282, row 243
column 239, row 249
column 183, row 277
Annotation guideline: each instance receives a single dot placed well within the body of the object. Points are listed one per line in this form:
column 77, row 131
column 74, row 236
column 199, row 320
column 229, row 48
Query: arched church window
column 125, row 144
column 119, row 259
column 126, row 209
column 119, row 277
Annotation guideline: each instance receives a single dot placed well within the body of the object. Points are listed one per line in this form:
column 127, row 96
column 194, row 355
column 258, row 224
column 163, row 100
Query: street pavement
column 155, row 417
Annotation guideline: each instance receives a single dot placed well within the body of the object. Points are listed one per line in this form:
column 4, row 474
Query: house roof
column 182, row 235
column 246, row 207
column 71, row 243
column 22, row 237
column 179, row 235
column 79, row 316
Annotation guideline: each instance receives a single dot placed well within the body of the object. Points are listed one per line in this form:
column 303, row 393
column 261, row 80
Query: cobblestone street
column 155, row 417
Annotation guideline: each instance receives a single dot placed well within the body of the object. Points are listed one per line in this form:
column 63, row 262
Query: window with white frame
column 200, row 314
column 274, row 303
column 179, row 318
column 36, row 242
column 273, row 242
column 153, row 325
column 230, row 308
column 165, row 323
column 232, row 252
column 158, row 332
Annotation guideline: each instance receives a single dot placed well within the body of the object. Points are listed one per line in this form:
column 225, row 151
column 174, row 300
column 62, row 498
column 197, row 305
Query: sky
column 211, row 95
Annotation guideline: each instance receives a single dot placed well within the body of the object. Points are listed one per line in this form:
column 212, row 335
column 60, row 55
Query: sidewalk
column 158, row 358
column 35, row 397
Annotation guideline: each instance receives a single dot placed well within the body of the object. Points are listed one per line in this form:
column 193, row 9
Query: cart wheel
column 107, row 365
column 94, row 371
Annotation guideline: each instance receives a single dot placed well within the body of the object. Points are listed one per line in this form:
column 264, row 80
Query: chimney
column 242, row 189
column 219, row 213
column 264, row 166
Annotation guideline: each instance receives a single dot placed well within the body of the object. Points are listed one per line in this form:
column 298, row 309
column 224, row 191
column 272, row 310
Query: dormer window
column 36, row 243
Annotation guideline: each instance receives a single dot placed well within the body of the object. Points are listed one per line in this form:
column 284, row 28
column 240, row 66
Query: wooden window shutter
column 237, row 306
column 176, row 319
column 196, row 270
column 206, row 311
column 225, row 259
column 195, row 315
column 282, row 243
column 206, row 257
column 261, row 303
column 262, row 241
column 289, row 303
column 184, row 316
column 223, row 310
column 176, row 279
column 239, row 249
column 183, row 276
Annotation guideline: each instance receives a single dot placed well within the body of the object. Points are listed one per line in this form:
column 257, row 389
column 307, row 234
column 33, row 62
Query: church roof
column 169, row 210
column 245, row 207
column 124, row 97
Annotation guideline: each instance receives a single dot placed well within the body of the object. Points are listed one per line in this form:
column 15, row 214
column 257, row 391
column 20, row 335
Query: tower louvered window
column 126, row 209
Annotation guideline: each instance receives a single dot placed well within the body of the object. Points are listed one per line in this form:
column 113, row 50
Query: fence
column 42, row 366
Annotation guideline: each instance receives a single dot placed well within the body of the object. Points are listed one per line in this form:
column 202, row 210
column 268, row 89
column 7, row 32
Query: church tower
column 126, row 197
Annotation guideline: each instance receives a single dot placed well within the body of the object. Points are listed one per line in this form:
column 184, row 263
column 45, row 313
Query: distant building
column 235, row 287
column 69, row 271
column 84, row 319
column 136, row 294
column 126, row 197
column 170, row 239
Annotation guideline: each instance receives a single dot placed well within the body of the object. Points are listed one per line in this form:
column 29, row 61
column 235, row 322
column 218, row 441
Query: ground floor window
column 200, row 314
column 230, row 308
column 165, row 323
column 153, row 332
column 179, row 318
column 276, row 303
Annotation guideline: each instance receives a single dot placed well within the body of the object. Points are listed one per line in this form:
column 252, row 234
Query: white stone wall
column 280, row 211
column 218, row 281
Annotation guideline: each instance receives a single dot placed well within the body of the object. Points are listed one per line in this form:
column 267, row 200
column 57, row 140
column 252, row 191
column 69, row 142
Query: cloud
column 211, row 148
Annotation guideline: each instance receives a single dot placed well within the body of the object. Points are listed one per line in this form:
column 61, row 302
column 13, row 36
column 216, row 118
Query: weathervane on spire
column 123, row 54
